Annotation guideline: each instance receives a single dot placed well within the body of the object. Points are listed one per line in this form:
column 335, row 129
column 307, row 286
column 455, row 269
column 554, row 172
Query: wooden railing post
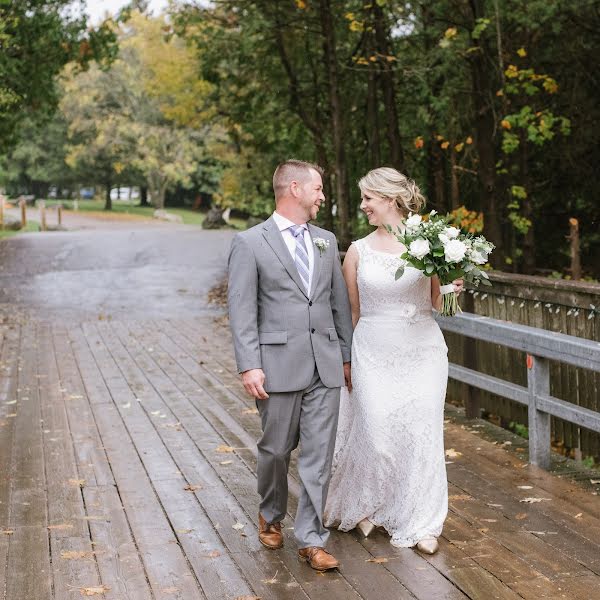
column 23, row 206
column 59, row 214
column 1, row 211
column 42, row 207
column 538, row 384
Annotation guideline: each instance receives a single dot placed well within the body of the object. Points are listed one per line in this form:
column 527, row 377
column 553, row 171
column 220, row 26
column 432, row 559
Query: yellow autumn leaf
column 450, row 33
column 505, row 124
column 300, row 4
column 522, row 52
column 469, row 140
column 95, row 590
column 445, row 144
column 459, row 147
column 419, row 143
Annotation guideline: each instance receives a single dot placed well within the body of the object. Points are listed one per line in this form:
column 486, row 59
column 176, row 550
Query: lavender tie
column 301, row 257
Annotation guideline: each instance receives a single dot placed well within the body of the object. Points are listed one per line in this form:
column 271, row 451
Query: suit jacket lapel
column 317, row 262
column 274, row 238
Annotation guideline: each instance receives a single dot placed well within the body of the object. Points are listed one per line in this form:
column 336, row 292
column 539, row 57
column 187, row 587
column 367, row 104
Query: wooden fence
column 567, row 307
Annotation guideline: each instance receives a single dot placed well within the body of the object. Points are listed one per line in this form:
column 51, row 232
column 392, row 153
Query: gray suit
column 300, row 340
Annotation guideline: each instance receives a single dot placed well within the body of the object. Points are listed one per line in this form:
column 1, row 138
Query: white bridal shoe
column 428, row 545
column 365, row 527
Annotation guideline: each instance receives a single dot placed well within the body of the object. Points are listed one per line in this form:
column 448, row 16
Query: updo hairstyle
column 392, row 184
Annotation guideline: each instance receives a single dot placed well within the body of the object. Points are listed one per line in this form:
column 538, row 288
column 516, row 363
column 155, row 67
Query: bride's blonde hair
column 392, row 184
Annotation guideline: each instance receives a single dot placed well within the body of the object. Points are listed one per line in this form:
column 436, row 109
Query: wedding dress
column 389, row 464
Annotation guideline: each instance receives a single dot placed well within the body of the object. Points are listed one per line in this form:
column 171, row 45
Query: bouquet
column 435, row 248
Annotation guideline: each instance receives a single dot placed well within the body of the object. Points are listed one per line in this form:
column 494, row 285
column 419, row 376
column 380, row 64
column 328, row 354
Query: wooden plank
column 169, row 573
column 28, row 565
column 116, row 555
column 386, row 582
column 8, row 385
column 71, row 551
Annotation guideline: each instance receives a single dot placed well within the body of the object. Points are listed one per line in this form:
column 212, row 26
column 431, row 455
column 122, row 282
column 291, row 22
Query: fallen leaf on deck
column 76, row 554
column 594, row 481
column 94, row 590
column 525, row 487
column 250, row 411
column 155, row 412
column 238, row 526
column 226, row 462
column 521, row 516
column 213, row 554
column 248, row 598
column 222, row 449
column 128, row 405
column 452, row 453
column 489, row 520
column 533, row 500
column 184, row 530
column 192, row 487
column 78, row 482
column 170, row 590
column 578, row 515
column 75, row 397
column 7, row 531
column 60, row 526
column 459, row 497
column 272, row 580
column 377, row 560
column 11, row 402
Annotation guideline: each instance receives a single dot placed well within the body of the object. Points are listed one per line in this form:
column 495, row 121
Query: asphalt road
column 140, row 271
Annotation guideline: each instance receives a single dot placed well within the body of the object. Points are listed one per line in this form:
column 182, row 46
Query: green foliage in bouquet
column 436, row 248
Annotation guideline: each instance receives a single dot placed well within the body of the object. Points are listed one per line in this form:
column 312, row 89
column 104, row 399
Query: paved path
column 128, row 459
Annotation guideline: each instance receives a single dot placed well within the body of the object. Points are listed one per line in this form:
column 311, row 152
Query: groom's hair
column 292, row 170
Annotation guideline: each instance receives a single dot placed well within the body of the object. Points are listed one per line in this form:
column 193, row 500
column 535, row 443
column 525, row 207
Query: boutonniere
column 322, row 245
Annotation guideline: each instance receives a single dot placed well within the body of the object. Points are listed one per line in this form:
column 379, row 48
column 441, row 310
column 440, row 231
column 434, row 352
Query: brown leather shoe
column 318, row 558
column 269, row 534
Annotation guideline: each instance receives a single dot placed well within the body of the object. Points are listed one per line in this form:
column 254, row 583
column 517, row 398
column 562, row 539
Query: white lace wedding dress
column 389, row 464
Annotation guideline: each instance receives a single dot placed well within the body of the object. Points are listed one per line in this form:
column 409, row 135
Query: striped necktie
column 301, row 257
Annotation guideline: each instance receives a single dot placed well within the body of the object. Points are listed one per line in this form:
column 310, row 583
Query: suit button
column 310, row 303
column 312, row 330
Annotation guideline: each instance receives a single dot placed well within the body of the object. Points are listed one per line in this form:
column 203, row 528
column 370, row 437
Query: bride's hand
column 458, row 286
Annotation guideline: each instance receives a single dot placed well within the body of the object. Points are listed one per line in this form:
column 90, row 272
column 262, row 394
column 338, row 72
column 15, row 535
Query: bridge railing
column 541, row 347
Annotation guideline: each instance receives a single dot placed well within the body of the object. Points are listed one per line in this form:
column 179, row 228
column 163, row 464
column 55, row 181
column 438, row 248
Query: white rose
column 454, row 251
column 413, row 221
column 478, row 257
column 433, row 212
column 452, row 232
column 443, row 238
column 419, row 248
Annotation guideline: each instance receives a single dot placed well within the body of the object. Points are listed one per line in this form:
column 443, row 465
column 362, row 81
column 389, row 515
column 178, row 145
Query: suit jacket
column 279, row 327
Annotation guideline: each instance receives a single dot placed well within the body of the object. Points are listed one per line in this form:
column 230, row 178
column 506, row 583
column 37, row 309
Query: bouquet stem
column 450, row 304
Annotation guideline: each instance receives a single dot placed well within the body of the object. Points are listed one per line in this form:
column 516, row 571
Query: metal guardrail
column 541, row 346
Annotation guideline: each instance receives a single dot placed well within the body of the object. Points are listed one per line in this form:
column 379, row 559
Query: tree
column 38, row 37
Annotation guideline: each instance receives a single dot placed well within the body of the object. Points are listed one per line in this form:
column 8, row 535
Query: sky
column 96, row 9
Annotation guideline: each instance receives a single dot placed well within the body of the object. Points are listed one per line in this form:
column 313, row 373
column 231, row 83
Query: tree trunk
column 372, row 122
column 454, row 188
column 435, row 176
column 388, row 85
column 341, row 173
column 485, row 128
column 529, row 241
column 144, row 196
column 107, row 198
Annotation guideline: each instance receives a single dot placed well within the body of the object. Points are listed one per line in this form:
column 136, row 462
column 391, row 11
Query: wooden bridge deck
column 128, row 472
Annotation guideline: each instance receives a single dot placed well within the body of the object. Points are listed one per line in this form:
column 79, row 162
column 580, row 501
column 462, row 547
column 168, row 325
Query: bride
column 389, row 465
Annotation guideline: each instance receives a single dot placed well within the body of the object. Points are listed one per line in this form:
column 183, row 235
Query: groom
column 292, row 329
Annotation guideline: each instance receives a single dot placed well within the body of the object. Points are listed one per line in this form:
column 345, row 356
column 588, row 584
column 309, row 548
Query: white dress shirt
column 290, row 241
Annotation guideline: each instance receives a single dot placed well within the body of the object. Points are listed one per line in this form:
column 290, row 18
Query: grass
column 31, row 226
column 132, row 208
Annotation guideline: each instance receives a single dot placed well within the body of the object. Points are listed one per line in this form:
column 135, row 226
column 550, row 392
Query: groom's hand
column 253, row 381
column 348, row 376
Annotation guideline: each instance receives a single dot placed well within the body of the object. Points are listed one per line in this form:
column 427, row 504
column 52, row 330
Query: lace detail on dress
column 389, row 462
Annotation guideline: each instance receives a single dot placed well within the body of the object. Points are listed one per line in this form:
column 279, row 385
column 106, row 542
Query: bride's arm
column 436, row 296
column 349, row 270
